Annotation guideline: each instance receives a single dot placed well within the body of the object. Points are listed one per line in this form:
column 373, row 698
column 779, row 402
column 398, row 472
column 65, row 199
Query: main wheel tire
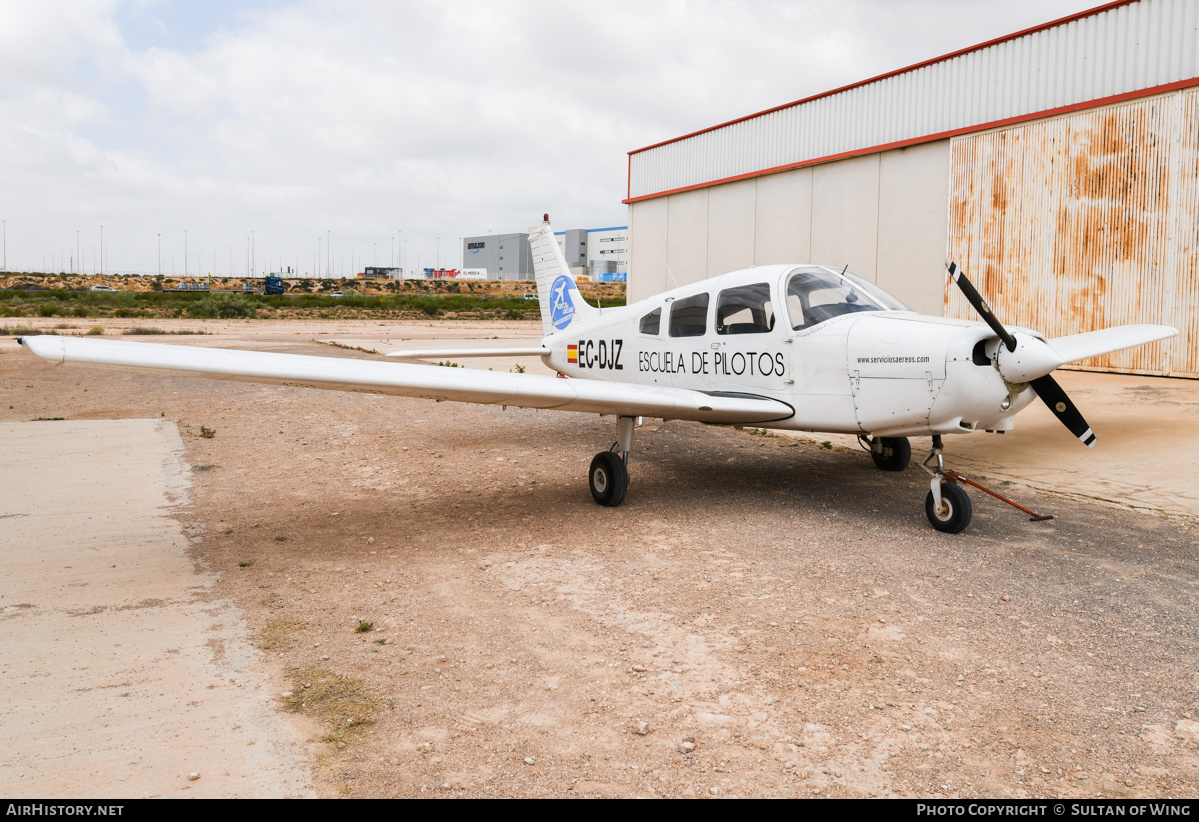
column 955, row 511
column 608, row 478
column 896, row 454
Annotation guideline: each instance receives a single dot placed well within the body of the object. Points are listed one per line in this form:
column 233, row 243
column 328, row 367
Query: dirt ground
column 762, row 617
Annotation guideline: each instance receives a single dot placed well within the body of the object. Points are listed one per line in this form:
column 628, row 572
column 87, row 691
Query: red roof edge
column 930, row 138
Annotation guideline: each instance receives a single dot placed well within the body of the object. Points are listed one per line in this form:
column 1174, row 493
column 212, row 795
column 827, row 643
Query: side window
column 745, row 310
column 689, row 317
column 651, row 322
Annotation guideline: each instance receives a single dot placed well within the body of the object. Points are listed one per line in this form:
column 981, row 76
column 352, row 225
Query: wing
column 407, row 380
column 1095, row 343
column 438, row 353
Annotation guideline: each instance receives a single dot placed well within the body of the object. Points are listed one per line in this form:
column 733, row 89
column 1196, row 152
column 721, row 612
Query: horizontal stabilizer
column 410, row 380
column 1096, row 343
column 466, row 353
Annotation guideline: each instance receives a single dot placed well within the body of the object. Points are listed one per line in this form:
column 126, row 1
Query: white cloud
column 442, row 119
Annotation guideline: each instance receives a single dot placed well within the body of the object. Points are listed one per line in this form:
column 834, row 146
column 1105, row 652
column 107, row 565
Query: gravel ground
column 762, row 617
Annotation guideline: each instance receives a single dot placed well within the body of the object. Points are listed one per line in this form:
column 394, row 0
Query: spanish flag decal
column 572, row 354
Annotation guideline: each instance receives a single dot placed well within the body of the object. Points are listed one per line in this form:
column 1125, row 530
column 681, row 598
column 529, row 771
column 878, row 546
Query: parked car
column 103, row 288
column 338, row 294
column 529, row 296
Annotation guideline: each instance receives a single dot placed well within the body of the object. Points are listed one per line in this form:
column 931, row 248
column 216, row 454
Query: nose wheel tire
column 895, row 455
column 608, row 478
column 955, row 512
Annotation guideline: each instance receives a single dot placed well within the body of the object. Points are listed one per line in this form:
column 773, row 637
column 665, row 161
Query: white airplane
column 791, row 347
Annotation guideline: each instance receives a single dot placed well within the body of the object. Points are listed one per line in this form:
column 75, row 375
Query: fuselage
column 848, row 357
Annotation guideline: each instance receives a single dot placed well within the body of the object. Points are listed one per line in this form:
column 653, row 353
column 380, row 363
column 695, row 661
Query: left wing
column 406, row 380
column 438, row 353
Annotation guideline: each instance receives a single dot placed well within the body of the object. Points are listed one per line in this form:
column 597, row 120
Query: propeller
column 1029, row 360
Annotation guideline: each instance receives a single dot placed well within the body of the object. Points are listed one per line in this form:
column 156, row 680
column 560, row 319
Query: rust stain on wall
column 1085, row 221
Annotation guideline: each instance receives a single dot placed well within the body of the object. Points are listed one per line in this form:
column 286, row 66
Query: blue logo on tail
column 562, row 307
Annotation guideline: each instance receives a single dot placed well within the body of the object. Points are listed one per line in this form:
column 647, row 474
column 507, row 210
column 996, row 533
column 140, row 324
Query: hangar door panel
column 1086, row 221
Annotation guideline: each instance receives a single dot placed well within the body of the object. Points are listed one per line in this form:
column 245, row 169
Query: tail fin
column 561, row 303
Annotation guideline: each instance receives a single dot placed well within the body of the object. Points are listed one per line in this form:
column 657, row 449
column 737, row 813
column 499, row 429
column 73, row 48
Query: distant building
column 608, row 254
column 376, row 273
column 599, row 254
column 503, row 256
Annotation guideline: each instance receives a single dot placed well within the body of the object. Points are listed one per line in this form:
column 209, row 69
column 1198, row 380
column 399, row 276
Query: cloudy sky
column 361, row 120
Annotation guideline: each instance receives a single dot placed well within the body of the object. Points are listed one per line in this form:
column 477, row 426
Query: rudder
column 559, row 298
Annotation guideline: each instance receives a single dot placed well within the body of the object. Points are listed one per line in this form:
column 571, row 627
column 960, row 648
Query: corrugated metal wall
column 1086, row 221
column 1121, row 50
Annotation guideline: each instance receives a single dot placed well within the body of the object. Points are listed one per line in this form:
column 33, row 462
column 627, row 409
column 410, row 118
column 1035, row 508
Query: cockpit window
column 745, row 310
column 816, row 294
column 651, row 322
column 689, row 316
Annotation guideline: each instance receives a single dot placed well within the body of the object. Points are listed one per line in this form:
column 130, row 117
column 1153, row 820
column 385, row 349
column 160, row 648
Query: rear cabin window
column 689, row 317
column 651, row 322
column 745, row 310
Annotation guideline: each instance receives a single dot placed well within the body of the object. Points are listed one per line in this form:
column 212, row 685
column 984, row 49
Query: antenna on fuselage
column 670, row 273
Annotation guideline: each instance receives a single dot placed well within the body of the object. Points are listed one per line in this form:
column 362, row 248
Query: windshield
column 817, row 293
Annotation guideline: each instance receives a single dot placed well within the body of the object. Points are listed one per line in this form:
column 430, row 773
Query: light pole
column 253, row 254
column 77, row 257
column 160, row 254
column 328, row 252
column 101, row 251
column 316, row 267
column 185, row 252
column 6, row 245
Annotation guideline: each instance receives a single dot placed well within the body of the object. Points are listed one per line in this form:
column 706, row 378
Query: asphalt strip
column 124, row 673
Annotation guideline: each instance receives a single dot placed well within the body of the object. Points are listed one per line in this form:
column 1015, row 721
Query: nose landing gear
column 947, row 506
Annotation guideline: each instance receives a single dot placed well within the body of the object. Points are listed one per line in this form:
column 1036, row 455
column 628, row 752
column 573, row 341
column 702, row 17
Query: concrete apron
column 123, row 672
column 1145, row 458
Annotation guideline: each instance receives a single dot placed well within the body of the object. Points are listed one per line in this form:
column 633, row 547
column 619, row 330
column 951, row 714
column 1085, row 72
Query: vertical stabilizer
column 561, row 303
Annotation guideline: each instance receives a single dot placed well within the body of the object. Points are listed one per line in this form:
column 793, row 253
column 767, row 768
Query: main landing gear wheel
column 608, row 478
column 893, row 454
column 954, row 513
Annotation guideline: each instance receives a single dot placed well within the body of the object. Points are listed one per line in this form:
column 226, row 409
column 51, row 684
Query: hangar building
column 1058, row 165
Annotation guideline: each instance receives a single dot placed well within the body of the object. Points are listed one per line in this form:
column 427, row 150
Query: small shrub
column 520, row 369
column 364, row 627
column 206, row 432
column 95, row 330
column 223, row 307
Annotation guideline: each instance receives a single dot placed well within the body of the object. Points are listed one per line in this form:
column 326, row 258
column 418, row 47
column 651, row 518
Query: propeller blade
column 980, row 305
column 1053, row 395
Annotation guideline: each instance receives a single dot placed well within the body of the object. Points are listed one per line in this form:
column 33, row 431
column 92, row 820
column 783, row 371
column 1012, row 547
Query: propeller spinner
column 1029, row 360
